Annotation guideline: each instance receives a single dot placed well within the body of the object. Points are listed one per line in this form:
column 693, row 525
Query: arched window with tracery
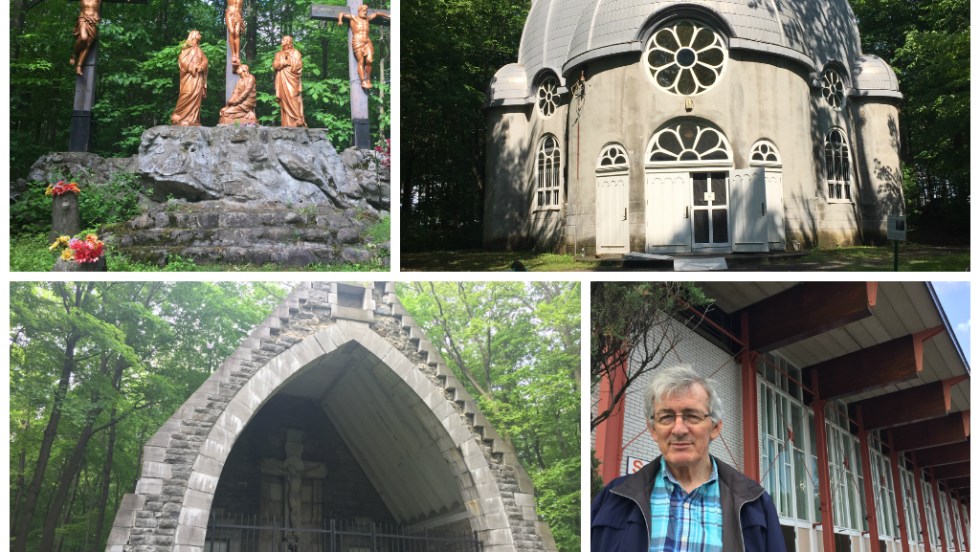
column 547, row 176
column 688, row 142
column 765, row 154
column 612, row 158
column 837, row 159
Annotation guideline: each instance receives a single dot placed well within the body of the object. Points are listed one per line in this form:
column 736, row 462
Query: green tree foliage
column 137, row 71
column 927, row 42
column 450, row 51
column 95, row 369
column 634, row 330
column 517, row 348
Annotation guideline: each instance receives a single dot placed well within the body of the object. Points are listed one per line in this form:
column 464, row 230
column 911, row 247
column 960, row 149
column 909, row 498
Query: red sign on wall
column 634, row 464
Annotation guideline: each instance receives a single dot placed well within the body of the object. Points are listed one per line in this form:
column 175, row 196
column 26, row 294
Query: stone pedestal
column 65, row 220
column 71, row 266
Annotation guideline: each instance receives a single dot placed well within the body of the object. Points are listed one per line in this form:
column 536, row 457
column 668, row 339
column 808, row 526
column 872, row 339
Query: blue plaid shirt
column 682, row 521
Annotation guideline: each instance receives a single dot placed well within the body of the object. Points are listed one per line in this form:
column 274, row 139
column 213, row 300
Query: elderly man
column 686, row 499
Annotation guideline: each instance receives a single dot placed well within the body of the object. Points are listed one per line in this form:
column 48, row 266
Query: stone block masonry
column 377, row 343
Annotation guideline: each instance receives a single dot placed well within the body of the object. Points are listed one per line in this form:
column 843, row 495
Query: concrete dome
column 873, row 77
column 562, row 34
column 509, row 86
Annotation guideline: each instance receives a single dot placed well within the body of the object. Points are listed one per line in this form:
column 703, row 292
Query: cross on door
column 358, row 95
column 81, row 115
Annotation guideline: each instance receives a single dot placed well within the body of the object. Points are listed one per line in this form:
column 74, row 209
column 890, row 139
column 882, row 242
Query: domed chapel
column 701, row 126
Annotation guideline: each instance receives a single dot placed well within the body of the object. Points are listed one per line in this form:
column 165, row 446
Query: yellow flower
column 61, row 241
column 67, row 254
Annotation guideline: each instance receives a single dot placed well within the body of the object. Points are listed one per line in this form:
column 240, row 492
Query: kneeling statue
column 241, row 105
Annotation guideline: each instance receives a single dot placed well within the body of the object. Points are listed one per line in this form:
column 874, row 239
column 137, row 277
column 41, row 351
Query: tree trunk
column 44, row 454
column 68, row 476
column 103, row 502
column 75, row 462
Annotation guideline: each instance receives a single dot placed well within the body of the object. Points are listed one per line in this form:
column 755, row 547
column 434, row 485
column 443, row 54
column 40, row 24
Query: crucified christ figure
column 235, row 23
column 360, row 41
column 86, row 30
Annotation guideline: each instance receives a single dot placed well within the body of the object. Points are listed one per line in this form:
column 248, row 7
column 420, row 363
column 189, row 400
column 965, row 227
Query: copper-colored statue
column 86, row 31
column 235, row 23
column 241, row 106
column 193, row 82
column 288, row 65
column 360, row 41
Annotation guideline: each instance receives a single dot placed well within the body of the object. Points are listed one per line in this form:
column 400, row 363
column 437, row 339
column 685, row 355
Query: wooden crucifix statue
column 235, row 24
column 85, row 53
column 360, row 58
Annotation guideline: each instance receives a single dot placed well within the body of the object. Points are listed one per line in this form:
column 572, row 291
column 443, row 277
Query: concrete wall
column 758, row 96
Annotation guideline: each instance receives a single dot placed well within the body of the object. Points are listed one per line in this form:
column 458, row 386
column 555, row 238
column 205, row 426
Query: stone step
column 282, row 235
column 297, row 254
column 229, row 215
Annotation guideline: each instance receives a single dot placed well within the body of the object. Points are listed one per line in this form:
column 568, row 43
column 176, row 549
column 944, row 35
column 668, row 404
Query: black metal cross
column 81, row 116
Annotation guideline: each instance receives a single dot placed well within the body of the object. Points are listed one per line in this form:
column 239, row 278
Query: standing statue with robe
column 360, row 41
column 235, row 23
column 288, row 65
column 193, row 82
column 86, row 31
column 241, row 105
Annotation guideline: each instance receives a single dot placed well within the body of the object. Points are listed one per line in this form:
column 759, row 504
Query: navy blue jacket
column 621, row 513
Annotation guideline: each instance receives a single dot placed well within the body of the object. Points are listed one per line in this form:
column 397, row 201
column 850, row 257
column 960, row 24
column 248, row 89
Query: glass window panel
column 712, row 56
column 704, row 75
column 801, row 484
column 700, row 226
column 685, row 84
column 718, row 186
column 667, row 76
column 700, row 187
column 665, row 39
column 702, row 39
column 719, row 221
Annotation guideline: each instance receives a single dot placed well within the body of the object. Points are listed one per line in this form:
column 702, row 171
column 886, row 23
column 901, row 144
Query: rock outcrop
column 241, row 194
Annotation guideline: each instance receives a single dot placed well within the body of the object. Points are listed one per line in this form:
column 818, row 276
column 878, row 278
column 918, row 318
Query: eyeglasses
column 668, row 419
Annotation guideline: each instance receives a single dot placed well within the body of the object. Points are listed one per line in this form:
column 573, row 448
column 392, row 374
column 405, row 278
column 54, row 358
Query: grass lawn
column 912, row 258
column 29, row 253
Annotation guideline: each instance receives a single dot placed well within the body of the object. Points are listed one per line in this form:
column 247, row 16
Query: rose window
column 685, row 58
column 833, row 88
column 548, row 96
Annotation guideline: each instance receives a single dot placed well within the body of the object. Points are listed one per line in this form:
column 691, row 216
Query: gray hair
column 680, row 379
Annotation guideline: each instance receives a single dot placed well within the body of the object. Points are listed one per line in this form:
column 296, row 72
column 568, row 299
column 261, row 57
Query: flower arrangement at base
column 59, row 188
column 384, row 151
column 88, row 250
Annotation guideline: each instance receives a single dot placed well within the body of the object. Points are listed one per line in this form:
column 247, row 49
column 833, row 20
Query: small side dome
column 508, row 86
column 872, row 76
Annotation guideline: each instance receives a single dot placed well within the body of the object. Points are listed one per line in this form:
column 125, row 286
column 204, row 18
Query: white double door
column 706, row 210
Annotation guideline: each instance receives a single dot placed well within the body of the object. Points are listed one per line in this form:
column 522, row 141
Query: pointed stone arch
column 323, row 337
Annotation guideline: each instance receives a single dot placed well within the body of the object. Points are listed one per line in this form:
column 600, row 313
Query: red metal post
column 939, row 514
column 954, row 538
column 823, row 466
column 869, row 493
column 923, row 520
column 962, row 512
column 903, row 531
column 609, row 434
column 750, row 407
